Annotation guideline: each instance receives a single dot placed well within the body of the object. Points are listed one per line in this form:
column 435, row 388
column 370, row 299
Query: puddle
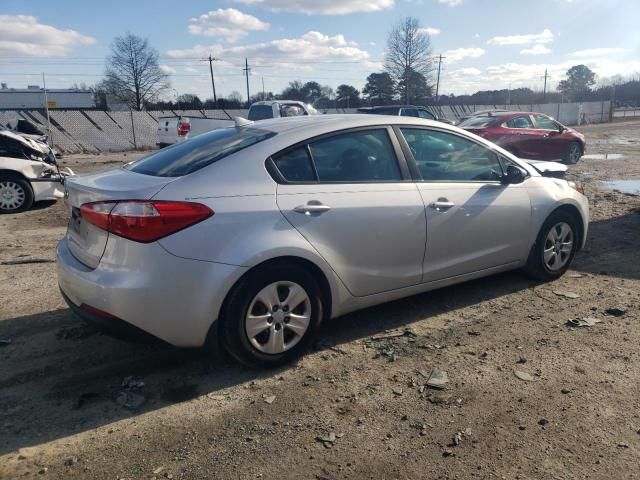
column 603, row 156
column 631, row 187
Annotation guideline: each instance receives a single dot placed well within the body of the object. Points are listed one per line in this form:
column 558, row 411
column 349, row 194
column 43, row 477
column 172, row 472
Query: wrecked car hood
column 548, row 169
column 27, row 142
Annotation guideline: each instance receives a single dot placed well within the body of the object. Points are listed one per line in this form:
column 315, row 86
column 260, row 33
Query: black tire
column 536, row 266
column 572, row 153
column 233, row 335
column 17, row 182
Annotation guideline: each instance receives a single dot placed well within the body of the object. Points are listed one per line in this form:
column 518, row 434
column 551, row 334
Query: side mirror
column 514, row 175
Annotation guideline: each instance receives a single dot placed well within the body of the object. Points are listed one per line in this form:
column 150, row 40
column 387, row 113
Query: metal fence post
column 133, row 129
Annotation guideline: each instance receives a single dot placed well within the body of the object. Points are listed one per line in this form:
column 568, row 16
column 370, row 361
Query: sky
column 486, row 44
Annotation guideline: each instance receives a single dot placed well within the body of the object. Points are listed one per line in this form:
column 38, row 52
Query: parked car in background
column 28, row 172
column 403, row 111
column 478, row 113
column 529, row 135
column 177, row 129
column 257, row 233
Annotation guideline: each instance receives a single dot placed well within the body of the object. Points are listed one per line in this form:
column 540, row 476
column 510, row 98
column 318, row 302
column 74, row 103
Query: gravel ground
column 528, row 397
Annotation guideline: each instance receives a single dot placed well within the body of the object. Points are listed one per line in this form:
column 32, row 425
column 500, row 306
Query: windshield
column 260, row 112
column 185, row 158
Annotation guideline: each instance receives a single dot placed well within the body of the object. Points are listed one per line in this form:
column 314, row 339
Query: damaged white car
column 28, row 173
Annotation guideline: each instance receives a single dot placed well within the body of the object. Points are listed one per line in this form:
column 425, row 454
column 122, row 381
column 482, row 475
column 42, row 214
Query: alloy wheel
column 574, row 153
column 278, row 317
column 558, row 246
column 12, row 195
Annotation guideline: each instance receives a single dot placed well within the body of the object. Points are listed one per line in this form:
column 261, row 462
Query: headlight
column 577, row 186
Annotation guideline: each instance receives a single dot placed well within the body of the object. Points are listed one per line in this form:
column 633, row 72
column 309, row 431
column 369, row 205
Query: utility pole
column 211, row 59
column 247, row 71
column 544, row 89
column 263, row 95
column 440, row 57
column 46, row 106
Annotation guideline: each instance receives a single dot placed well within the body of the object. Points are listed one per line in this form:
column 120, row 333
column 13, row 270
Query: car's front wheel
column 16, row 194
column 573, row 153
column 271, row 315
column 555, row 247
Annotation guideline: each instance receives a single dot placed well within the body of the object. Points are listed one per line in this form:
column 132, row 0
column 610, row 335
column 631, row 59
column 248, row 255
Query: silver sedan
column 255, row 234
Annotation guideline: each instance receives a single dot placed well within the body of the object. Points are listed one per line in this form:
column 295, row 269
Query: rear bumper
column 172, row 298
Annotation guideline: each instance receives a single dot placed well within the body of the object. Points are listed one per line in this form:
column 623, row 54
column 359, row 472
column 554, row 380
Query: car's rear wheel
column 271, row 315
column 555, row 247
column 573, row 153
column 16, row 194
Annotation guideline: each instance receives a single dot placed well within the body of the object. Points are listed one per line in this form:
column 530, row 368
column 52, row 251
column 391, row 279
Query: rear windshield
column 260, row 112
column 185, row 158
column 478, row 122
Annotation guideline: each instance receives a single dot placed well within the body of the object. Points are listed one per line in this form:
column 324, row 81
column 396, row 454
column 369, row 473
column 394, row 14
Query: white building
column 33, row 97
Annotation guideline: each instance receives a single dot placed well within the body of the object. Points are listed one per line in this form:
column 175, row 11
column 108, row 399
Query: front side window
column 187, row 157
column 445, row 157
column 523, row 121
column 545, row 123
column 425, row 114
column 361, row 156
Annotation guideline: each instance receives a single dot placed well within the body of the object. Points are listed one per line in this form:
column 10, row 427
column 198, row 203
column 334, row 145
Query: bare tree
column 408, row 53
column 132, row 71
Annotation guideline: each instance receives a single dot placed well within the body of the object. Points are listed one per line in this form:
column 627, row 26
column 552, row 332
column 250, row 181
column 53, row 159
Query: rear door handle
column 312, row 206
column 442, row 204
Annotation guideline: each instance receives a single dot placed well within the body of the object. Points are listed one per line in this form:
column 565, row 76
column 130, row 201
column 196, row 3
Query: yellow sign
column 52, row 104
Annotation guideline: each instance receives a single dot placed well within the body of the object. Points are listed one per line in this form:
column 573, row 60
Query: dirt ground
column 357, row 405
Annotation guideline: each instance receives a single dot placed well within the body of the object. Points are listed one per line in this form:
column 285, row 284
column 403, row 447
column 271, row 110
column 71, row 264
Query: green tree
column 419, row 92
column 311, row 91
column 293, row 91
column 347, row 96
column 578, row 83
column 379, row 89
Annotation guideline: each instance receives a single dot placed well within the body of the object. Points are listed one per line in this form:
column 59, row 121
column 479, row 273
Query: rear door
column 349, row 194
column 523, row 137
column 474, row 222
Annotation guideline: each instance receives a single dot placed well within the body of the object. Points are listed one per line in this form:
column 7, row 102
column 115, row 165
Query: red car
column 528, row 135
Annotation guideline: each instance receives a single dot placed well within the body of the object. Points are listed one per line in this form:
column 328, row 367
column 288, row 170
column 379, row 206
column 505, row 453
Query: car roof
column 283, row 102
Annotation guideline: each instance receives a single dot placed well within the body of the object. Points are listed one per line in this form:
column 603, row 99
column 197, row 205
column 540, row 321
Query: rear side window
column 185, row 158
column 260, row 112
column 295, row 165
column 361, row 156
column 523, row 121
column 425, row 114
column 478, row 122
column 410, row 112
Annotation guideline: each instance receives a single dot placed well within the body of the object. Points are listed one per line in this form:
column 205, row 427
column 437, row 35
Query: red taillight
column 183, row 128
column 144, row 221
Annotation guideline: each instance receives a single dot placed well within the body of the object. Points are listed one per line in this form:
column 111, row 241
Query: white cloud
column 322, row 7
column 451, row 3
column 429, row 31
column 545, row 36
column 226, row 23
column 537, row 49
column 191, row 70
column 310, row 47
column 461, row 53
column 597, row 52
column 167, row 69
column 467, row 71
column 23, row 35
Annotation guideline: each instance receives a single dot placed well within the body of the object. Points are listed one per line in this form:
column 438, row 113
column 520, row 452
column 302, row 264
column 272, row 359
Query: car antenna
column 242, row 122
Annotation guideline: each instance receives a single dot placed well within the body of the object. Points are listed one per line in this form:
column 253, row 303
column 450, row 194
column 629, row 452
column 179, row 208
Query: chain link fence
column 96, row 131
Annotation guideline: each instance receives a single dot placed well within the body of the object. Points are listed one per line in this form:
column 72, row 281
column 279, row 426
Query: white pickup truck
column 177, row 128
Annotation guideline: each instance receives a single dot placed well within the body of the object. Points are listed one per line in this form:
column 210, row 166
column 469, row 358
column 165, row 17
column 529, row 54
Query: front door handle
column 311, row 207
column 442, row 204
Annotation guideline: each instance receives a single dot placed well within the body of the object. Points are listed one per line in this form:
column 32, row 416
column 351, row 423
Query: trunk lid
column 87, row 242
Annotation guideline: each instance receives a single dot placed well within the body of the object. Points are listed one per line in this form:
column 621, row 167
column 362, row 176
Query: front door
column 347, row 195
column 474, row 222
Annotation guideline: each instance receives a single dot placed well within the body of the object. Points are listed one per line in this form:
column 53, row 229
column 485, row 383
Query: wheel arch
column 316, row 271
column 14, row 173
column 572, row 210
